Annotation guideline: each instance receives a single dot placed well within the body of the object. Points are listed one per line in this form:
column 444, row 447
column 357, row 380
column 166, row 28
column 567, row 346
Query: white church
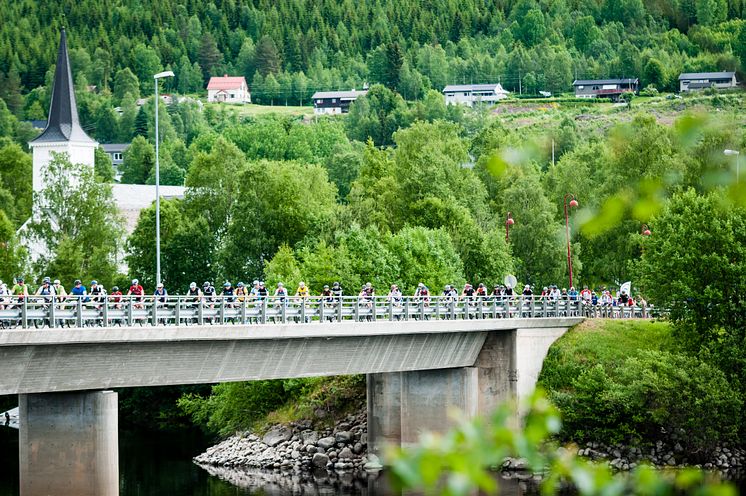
column 63, row 134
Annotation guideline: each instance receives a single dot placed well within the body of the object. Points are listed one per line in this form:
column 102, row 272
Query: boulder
column 309, row 437
column 372, row 462
column 320, row 460
column 343, row 436
column 276, row 436
column 345, row 454
column 326, row 442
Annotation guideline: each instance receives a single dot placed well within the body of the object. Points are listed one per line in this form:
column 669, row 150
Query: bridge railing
column 105, row 311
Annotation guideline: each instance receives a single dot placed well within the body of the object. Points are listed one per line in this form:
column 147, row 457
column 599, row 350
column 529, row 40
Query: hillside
column 290, row 48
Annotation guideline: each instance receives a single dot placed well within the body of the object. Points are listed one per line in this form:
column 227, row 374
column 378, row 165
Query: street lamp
column 156, row 77
column 738, row 160
column 573, row 203
column 508, row 222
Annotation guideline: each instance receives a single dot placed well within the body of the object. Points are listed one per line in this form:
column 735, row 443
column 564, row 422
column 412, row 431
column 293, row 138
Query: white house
column 228, row 89
column 334, row 102
column 469, row 94
column 691, row 81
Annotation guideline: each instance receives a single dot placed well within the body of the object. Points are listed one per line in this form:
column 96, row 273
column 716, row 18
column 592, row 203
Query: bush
column 649, row 90
column 635, row 395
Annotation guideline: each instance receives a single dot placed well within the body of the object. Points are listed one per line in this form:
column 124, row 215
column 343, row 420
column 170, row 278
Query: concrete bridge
column 417, row 370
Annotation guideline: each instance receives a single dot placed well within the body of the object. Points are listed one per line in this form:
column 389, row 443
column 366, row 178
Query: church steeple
column 63, row 124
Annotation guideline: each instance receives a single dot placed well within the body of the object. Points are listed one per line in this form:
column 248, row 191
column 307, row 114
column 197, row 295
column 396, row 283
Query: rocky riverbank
column 298, row 446
column 730, row 462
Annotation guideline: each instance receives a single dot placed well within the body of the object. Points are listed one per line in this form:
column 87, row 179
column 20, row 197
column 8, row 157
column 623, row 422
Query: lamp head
column 164, row 74
column 573, row 202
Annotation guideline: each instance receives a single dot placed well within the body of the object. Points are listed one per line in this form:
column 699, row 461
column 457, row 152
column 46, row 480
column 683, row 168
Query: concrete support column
column 384, row 411
column 69, row 443
column 497, row 370
column 431, row 398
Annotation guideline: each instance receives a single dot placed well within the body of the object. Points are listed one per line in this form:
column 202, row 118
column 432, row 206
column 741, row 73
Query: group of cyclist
column 231, row 295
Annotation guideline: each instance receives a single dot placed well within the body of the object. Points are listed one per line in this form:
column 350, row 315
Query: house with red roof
column 229, row 89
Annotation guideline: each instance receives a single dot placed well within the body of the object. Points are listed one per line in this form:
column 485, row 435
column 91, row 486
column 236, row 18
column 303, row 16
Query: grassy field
column 601, row 341
column 252, row 110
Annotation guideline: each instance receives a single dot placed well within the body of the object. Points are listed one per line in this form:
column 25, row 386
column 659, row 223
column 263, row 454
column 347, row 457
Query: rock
column 325, row 442
column 372, row 462
column 358, row 448
column 331, row 454
column 617, row 453
column 320, row 413
column 343, row 436
column 343, row 426
column 345, row 454
column 309, row 437
column 294, row 455
column 276, row 436
column 311, row 449
column 320, row 460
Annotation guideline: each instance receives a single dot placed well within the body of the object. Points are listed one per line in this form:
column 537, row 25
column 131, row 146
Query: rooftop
column 226, row 83
column 63, row 123
column 706, row 75
column 583, row 82
column 496, row 87
column 115, row 147
column 352, row 94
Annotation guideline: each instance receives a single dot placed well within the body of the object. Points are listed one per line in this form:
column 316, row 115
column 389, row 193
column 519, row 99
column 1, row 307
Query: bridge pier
column 403, row 405
column 69, row 443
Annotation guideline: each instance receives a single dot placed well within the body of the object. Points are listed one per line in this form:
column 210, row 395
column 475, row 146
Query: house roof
column 342, row 95
column 584, row 82
column 63, row 123
column 496, row 87
column 226, row 83
column 706, row 75
column 115, row 147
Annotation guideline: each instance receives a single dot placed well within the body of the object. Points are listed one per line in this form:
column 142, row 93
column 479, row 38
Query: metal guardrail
column 106, row 311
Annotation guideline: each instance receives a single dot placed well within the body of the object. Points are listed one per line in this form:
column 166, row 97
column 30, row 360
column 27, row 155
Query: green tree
column 16, row 177
column 126, row 82
column 141, row 123
column 532, row 29
column 654, row 73
column 267, row 57
column 139, row 159
column 84, row 240
column 146, row 63
column 376, row 115
column 210, row 57
column 12, row 254
column 711, row 12
column 102, row 166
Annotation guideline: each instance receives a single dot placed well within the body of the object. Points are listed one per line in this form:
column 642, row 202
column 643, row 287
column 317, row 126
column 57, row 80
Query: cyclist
column 241, row 293
column 20, row 290
column 208, row 290
column 228, row 293
column 395, row 295
column 160, row 293
column 194, row 293
column 481, row 291
column 302, row 290
column 4, row 294
column 78, row 290
column 422, row 294
column 281, row 293
column 46, row 289
column 98, row 293
column 137, row 292
column 59, row 290
column 262, row 291
column 116, row 297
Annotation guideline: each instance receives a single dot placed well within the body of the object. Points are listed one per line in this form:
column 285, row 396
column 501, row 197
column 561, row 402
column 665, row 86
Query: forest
column 290, row 48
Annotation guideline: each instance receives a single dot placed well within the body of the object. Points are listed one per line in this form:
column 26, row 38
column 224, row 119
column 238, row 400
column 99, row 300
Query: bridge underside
column 418, row 372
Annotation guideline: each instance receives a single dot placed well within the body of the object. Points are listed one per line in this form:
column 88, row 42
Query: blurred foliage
column 463, row 460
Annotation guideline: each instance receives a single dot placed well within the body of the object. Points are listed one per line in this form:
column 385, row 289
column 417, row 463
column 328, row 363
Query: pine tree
column 141, row 123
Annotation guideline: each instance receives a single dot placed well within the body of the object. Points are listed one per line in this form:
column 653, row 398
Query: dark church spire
column 63, row 123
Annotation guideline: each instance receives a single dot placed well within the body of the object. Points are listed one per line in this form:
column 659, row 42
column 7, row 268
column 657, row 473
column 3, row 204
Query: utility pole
column 552, row 152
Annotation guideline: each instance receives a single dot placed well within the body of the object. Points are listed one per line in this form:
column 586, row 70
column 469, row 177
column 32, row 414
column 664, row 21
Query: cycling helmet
column 261, row 283
column 326, row 286
column 227, row 284
column 301, row 284
column 95, row 282
column 279, row 284
column 255, row 283
column 206, row 284
column 46, row 280
column 20, row 280
column 77, row 281
column 192, row 285
column 240, row 284
column 135, row 282
column 56, row 281
column 115, row 288
column 336, row 284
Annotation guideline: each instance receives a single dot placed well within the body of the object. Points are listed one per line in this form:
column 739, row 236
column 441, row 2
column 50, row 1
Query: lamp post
column 573, row 203
column 508, row 222
column 156, row 77
column 738, row 160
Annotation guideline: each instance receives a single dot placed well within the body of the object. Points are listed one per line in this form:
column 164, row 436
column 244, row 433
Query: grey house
column 693, row 81
column 605, row 88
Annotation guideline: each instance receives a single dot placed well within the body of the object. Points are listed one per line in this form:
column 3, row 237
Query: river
column 160, row 463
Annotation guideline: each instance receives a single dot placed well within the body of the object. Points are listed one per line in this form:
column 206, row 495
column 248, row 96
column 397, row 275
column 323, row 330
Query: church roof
column 63, row 123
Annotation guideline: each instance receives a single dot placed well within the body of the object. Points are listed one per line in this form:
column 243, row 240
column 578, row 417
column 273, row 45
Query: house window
column 334, row 100
column 117, row 156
